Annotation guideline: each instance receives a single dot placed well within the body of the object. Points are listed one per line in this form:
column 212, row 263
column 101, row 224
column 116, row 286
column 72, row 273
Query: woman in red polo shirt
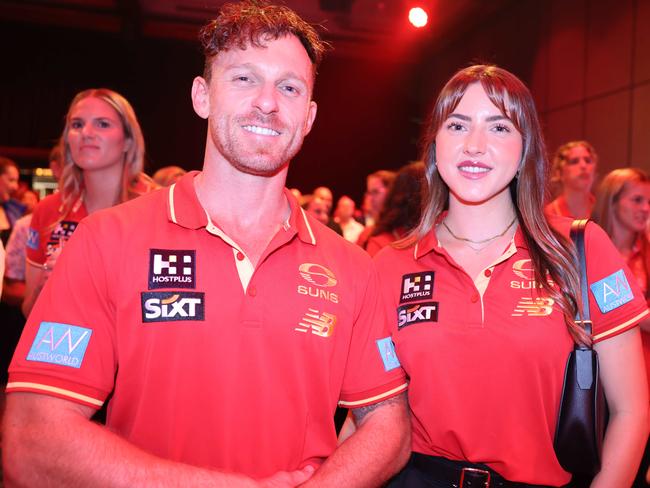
column 103, row 157
column 623, row 210
column 483, row 294
column 573, row 170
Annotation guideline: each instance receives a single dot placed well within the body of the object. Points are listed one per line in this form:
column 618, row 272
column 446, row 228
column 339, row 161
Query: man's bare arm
column 377, row 450
column 49, row 441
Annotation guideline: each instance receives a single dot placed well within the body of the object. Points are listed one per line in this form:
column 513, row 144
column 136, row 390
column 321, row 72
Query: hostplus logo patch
column 172, row 268
column 417, row 286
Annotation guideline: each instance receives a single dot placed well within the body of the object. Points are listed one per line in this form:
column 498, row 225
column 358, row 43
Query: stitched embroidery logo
column 172, row 268
column 172, row 306
column 319, row 323
column 61, row 344
column 534, row 307
column 418, row 312
column 387, row 353
column 417, row 286
column 612, row 292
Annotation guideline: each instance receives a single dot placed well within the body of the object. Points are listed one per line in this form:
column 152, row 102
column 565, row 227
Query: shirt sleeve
column 35, row 250
column 373, row 372
column 67, row 346
column 616, row 303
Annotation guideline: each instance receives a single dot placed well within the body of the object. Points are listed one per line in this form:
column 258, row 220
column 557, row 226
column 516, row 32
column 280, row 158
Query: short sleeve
column 373, row 372
column 35, row 250
column 615, row 300
column 67, row 346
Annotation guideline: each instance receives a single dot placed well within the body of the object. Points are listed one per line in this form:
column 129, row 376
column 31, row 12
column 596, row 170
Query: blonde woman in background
column 103, row 156
column 623, row 209
column 573, row 170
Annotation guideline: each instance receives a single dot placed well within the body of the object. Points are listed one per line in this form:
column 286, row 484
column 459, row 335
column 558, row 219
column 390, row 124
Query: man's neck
column 250, row 209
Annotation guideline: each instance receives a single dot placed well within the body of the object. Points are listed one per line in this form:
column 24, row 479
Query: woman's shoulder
column 48, row 208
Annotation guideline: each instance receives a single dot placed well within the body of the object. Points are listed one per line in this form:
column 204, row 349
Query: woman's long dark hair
column 403, row 204
column 552, row 254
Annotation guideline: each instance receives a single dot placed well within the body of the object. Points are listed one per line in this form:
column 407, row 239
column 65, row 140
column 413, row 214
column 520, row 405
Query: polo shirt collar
column 184, row 209
column 430, row 241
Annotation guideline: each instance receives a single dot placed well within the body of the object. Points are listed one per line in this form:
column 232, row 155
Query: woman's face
column 478, row 149
column 95, row 135
column 632, row 209
column 578, row 170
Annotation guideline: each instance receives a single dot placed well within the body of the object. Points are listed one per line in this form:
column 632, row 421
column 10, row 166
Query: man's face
column 318, row 209
column 8, row 183
column 258, row 105
column 345, row 208
column 376, row 192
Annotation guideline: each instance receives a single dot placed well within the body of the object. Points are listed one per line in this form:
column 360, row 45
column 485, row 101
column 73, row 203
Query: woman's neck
column 579, row 203
column 102, row 187
column 481, row 221
column 624, row 239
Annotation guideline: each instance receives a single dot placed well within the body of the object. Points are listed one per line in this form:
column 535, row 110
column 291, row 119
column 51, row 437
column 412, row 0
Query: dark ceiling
column 355, row 27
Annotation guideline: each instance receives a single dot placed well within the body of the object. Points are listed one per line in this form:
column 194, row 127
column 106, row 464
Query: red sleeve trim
column 375, row 398
column 15, row 386
column 619, row 329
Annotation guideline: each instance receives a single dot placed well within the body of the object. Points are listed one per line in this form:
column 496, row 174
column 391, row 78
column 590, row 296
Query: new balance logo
column 319, row 323
column 534, row 307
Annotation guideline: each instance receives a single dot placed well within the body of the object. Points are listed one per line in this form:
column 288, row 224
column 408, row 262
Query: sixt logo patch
column 417, row 286
column 319, row 323
column 387, row 353
column 61, row 344
column 534, row 307
column 172, row 268
column 172, row 306
column 418, row 312
column 317, row 275
column 612, row 292
column 33, row 239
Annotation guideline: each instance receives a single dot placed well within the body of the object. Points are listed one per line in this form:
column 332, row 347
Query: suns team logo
column 319, row 276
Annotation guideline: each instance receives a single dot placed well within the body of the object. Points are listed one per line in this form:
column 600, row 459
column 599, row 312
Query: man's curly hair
column 254, row 22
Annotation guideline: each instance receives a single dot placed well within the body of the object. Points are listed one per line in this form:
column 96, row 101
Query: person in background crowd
column 168, row 175
column 297, row 194
column 622, row 209
column 319, row 209
column 402, row 208
column 103, row 156
column 573, row 171
column 325, row 194
column 484, row 292
column 28, row 198
column 10, row 208
column 344, row 217
column 378, row 185
column 223, row 322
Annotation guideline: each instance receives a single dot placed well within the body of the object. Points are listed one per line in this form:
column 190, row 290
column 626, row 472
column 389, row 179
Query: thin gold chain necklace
column 482, row 241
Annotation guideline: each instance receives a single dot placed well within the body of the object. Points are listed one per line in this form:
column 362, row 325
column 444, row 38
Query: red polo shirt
column 486, row 358
column 48, row 229
column 210, row 362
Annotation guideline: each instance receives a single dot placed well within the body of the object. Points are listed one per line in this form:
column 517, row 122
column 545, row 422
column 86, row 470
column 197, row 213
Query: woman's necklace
column 486, row 242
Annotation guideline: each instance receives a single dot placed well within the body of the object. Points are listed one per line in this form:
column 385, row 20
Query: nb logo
column 534, row 307
column 319, row 323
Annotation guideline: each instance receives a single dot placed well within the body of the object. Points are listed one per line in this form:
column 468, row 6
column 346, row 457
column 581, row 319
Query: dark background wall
column 587, row 63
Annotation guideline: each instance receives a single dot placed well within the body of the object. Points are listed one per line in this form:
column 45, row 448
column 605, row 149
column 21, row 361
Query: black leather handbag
column 582, row 417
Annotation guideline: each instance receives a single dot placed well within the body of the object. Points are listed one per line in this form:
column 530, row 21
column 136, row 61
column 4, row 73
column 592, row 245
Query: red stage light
column 418, row 17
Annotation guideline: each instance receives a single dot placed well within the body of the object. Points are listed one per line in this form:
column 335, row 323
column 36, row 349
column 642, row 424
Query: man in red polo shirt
column 222, row 324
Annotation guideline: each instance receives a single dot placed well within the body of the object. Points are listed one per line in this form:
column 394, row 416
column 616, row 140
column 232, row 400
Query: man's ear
column 311, row 116
column 201, row 97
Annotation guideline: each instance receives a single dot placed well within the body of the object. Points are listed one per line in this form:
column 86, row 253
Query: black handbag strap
column 578, row 237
